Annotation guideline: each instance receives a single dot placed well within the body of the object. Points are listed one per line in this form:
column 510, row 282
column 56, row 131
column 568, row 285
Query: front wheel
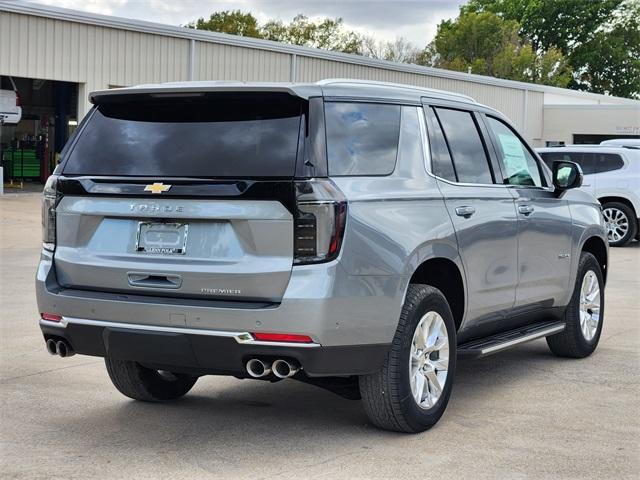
column 584, row 314
column 411, row 390
column 145, row 384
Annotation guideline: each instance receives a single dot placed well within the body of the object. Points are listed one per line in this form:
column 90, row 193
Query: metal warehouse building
column 55, row 57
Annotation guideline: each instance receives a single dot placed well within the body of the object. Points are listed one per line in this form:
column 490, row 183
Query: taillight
column 321, row 214
column 18, row 101
column 49, row 202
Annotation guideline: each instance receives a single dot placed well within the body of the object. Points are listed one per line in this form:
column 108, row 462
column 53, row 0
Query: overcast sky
column 415, row 20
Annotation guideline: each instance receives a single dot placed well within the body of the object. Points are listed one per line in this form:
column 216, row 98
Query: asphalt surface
column 520, row 414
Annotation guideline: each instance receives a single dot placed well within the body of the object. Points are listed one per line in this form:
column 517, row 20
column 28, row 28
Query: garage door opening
column 592, row 139
column 41, row 116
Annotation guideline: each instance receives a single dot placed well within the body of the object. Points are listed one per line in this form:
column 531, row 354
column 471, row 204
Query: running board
column 502, row 341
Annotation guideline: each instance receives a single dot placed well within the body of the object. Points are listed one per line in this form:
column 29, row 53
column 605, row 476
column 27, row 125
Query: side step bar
column 502, row 341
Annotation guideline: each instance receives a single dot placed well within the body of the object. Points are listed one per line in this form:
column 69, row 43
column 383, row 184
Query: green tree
column 328, row 34
column 486, row 44
column 551, row 23
column 599, row 38
column 233, row 22
column 610, row 60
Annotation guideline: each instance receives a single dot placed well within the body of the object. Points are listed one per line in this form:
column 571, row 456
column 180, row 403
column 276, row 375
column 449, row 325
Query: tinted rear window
column 608, row 162
column 440, row 157
column 587, row 161
column 220, row 135
column 362, row 138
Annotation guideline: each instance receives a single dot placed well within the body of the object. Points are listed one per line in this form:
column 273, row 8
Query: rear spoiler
column 191, row 89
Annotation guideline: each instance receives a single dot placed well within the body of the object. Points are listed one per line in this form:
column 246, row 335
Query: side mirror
column 566, row 175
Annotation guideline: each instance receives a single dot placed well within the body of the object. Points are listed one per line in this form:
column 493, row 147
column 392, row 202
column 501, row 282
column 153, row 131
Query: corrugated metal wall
column 226, row 62
column 509, row 101
column 98, row 57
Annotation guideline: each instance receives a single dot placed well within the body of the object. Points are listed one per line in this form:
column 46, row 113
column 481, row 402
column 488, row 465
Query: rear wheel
column 621, row 223
column 411, row 390
column 584, row 313
column 145, row 384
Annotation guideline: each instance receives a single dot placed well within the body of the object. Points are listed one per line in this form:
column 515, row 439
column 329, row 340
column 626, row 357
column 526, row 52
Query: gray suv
column 352, row 235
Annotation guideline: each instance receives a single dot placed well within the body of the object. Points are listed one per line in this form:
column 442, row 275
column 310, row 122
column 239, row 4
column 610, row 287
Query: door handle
column 465, row 212
column 525, row 209
column 153, row 280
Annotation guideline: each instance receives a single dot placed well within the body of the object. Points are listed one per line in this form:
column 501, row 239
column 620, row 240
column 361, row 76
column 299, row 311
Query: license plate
column 162, row 238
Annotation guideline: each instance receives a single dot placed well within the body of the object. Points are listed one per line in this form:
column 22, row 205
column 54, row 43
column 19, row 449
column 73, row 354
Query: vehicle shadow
column 224, row 417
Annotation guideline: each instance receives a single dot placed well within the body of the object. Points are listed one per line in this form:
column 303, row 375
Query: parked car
column 352, row 235
column 10, row 109
column 622, row 142
column 612, row 175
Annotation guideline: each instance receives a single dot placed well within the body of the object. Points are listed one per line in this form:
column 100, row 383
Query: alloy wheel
column 429, row 360
column 589, row 305
column 617, row 223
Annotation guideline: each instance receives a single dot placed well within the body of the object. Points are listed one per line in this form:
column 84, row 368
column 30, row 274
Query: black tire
column 571, row 342
column 632, row 221
column 147, row 385
column 386, row 394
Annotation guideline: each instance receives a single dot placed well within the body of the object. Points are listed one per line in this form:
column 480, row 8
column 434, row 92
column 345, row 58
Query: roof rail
column 351, row 81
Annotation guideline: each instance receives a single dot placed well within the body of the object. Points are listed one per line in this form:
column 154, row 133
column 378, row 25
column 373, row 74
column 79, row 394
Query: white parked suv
column 612, row 175
column 10, row 109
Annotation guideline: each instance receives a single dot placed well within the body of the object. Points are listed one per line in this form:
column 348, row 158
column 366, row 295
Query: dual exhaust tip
column 59, row 347
column 281, row 368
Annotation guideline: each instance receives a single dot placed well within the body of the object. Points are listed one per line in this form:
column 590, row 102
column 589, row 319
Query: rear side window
column 587, row 161
column 362, row 138
column 608, row 162
column 466, row 147
column 441, row 164
column 219, row 135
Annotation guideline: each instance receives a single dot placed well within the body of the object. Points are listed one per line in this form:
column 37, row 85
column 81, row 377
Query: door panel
column 544, row 222
column 487, row 240
column 483, row 215
column 544, row 247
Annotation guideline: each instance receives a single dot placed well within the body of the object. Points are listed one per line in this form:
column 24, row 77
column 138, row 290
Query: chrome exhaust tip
column 51, row 346
column 284, row 369
column 63, row 349
column 257, row 368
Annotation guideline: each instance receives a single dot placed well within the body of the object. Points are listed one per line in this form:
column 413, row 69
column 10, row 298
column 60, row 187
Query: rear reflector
column 51, row 317
column 282, row 337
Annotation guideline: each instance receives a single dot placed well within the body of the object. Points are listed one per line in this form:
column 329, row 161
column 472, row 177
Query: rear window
column 587, row 161
column 607, row 162
column 217, row 135
column 362, row 138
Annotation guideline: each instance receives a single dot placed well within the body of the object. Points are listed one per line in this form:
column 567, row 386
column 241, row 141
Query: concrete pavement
column 520, row 414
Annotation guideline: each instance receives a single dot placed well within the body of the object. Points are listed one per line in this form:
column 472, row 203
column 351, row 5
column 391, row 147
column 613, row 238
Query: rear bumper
column 207, row 352
column 351, row 319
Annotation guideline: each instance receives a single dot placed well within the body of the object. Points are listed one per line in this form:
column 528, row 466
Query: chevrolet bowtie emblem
column 157, row 188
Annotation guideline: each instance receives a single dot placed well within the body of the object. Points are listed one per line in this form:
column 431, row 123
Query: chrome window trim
column 243, row 338
column 426, row 146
